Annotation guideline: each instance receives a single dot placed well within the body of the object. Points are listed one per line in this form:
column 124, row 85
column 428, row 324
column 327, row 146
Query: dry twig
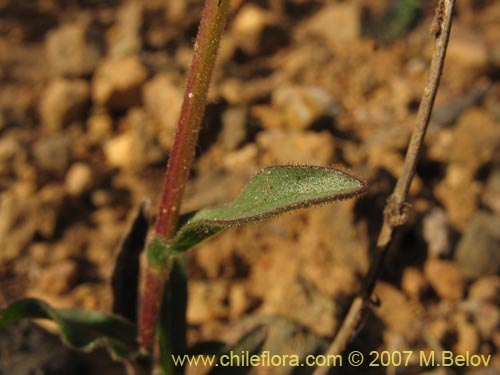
column 395, row 212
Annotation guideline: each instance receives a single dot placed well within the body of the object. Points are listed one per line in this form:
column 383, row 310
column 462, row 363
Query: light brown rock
column 62, row 102
column 301, row 106
column 117, row 83
column 248, row 25
column 277, row 146
column 163, row 100
column 78, row 179
column 59, row 277
column 337, row 22
column 486, row 289
column 68, row 51
column 467, row 48
column 414, row 283
column 396, row 319
column 206, row 301
column 99, row 126
column 436, row 233
column 468, row 337
column 124, row 37
column 445, row 278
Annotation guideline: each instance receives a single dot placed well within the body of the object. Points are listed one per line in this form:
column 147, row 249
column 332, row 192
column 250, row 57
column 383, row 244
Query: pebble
column 445, row 278
column 99, row 126
column 124, row 37
column 459, row 193
column 117, row 150
column 68, row 51
column 478, row 251
column 234, row 127
column 472, row 142
column 277, row 146
column 52, row 153
column 491, row 193
column 243, row 159
column 414, row 283
column 438, row 329
column 487, row 320
column 336, row 23
column 78, row 179
column 117, row 83
column 468, row 337
column 487, row 289
column 158, row 94
column 239, row 300
column 301, row 106
column 58, row 278
column 467, row 48
column 248, row 28
column 63, row 102
column 436, row 233
column 288, row 300
column 207, row 301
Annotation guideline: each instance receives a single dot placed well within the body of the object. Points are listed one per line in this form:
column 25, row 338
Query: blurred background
column 90, row 92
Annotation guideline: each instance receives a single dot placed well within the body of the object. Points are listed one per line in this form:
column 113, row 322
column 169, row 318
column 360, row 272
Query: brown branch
column 395, row 212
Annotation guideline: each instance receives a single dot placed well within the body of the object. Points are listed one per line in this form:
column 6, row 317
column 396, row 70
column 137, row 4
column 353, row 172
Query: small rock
column 467, row 48
column 68, row 51
column 117, row 83
column 486, row 288
column 468, row 337
column 414, row 283
column 160, row 93
column 478, row 251
column 239, row 300
column 124, row 36
column 78, row 179
column 234, row 129
column 436, row 233
column 99, row 126
column 471, row 143
column 118, row 150
column 438, row 329
column 63, row 101
column 491, row 194
column 58, row 278
column 302, row 106
column 242, row 160
column 487, row 319
column 458, row 193
column 52, row 153
column 296, row 147
column 445, row 277
column 396, row 319
column 207, row 301
column 268, row 116
column 40, row 252
column 252, row 29
column 291, row 299
column 338, row 22
column 447, row 113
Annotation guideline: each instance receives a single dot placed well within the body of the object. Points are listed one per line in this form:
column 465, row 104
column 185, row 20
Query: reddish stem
column 193, row 108
column 181, row 158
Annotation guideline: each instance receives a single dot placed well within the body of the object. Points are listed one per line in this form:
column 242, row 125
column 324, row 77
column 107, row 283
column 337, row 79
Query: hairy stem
column 395, row 212
column 181, row 157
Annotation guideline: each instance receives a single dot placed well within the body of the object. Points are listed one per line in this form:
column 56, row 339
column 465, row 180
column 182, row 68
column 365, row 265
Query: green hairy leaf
column 271, row 192
column 84, row 330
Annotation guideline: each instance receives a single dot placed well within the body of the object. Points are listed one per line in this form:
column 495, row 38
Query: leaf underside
column 271, row 192
column 83, row 330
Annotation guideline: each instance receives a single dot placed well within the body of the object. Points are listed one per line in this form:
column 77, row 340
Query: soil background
column 89, row 98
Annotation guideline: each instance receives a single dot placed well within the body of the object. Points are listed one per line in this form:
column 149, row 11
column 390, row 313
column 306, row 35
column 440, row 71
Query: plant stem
column 395, row 212
column 181, row 157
